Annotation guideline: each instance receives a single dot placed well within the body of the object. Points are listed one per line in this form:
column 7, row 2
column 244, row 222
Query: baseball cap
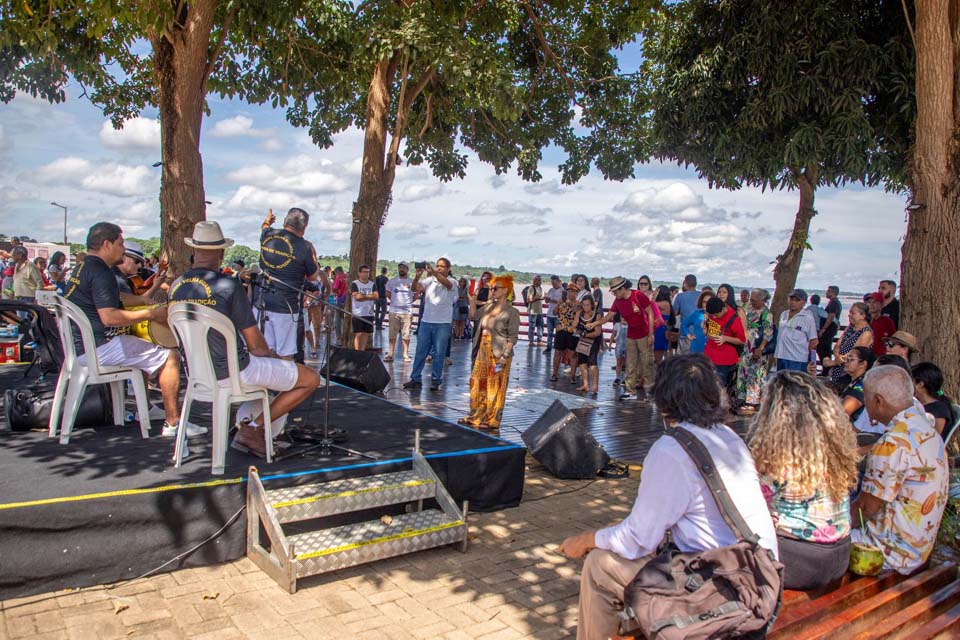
column 799, row 294
column 403, row 264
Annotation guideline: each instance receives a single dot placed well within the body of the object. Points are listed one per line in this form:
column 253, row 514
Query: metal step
column 304, row 502
column 350, row 545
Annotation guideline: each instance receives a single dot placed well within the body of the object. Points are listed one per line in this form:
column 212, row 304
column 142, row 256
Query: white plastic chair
column 191, row 323
column 76, row 376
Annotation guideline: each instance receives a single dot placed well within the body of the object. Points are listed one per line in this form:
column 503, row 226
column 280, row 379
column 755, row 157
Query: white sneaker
column 193, row 430
column 155, row 413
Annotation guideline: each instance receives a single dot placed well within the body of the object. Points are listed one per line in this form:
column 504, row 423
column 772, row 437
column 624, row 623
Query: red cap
column 876, row 296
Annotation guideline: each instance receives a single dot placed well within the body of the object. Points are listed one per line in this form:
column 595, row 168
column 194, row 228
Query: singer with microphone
column 288, row 262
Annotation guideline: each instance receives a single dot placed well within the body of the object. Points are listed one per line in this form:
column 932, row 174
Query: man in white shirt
column 797, row 334
column 364, row 298
column 439, row 293
column 672, row 496
column 554, row 296
column 400, row 295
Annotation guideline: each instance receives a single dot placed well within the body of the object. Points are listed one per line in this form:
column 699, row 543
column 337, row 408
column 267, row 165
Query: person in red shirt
column 636, row 311
column 725, row 332
column 882, row 326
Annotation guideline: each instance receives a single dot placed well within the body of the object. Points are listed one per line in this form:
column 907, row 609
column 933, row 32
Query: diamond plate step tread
column 350, row 545
column 292, row 504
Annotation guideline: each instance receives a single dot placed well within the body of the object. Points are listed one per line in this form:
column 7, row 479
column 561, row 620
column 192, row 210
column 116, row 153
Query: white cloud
column 139, row 134
column 463, row 232
column 121, row 180
column 63, row 169
column 517, row 207
column 250, row 198
column 414, row 192
column 272, row 145
column 235, row 127
column 300, row 175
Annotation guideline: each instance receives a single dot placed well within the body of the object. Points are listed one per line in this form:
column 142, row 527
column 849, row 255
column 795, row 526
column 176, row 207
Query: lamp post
column 65, row 209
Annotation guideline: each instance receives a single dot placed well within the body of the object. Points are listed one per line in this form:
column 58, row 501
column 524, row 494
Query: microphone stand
column 326, row 443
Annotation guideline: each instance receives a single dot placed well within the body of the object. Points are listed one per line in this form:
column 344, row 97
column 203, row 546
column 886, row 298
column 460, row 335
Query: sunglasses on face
column 889, row 344
column 644, row 284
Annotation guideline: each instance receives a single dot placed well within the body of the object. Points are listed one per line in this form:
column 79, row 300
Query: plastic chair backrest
column 69, row 316
column 191, row 323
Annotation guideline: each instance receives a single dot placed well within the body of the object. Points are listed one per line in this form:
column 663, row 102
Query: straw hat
column 207, row 235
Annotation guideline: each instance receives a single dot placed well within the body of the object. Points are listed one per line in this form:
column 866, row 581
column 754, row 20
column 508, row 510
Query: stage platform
column 110, row 506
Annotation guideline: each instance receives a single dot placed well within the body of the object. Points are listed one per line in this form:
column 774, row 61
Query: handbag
column 585, row 346
column 717, row 593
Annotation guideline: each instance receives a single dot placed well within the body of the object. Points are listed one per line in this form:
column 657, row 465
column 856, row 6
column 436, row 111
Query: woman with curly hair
column 806, row 455
column 496, row 331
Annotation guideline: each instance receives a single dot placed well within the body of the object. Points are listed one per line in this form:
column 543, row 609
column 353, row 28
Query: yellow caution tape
column 122, row 492
column 390, row 538
column 347, row 494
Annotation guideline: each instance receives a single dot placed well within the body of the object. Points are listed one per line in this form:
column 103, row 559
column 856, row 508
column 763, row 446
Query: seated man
column 672, row 496
column 204, row 284
column 905, row 483
column 131, row 268
column 92, row 286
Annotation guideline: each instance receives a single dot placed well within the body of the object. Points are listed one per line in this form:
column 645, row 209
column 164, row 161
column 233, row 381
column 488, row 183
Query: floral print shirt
column 567, row 316
column 815, row 518
column 907, row 469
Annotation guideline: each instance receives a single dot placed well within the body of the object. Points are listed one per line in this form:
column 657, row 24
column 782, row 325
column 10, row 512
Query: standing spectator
column 905, row 482
column 497, row 331
column 583, row 286
column 928, row 382
column 461, row 313
column 796, row 334
column 554, row 296
column 636, row 311
column 589, row 372
column 692, row 327
column 339, row 288
column 482, row 294
column 597, row 294
column 828, row 332
column 364, row 295
column 565, row 341
column 901, row 343
column 645, row 286
column 745, row 299
column 687, row 303
column 725, row 333
column 438, row 296
column 726, row 293
column 41, row 264
column 891, row 305
column 806, row 455
column 399, row 292
column 57, row 270
column 380, row 304
column 818, row 312
column 26, row 277
column 752, row 373
column 533, row 299
column 857, row 334
column 672, row 496
column 881, row 326
column 661, row 341
column 618, row 342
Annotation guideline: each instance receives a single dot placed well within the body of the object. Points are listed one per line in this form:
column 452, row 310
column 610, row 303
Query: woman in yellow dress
column 497, row 328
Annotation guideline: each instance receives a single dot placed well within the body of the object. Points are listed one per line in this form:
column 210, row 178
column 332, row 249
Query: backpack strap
column 730, row 322
column 708, row 470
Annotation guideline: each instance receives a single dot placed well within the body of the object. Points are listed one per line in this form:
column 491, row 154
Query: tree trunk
column 181, row 67
column 930, row 270
column 375, row 187
column 788, row 263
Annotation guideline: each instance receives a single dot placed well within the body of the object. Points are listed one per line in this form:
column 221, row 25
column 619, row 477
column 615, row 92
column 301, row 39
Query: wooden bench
column 924, row 606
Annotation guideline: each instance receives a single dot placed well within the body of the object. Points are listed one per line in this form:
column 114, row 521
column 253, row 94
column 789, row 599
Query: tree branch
column 548, row 50
column 215, row 53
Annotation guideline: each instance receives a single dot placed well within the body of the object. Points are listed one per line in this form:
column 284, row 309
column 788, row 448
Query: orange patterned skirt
column 488, row 387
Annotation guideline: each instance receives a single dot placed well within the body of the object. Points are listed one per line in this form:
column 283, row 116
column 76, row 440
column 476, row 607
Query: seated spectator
column 856, row 365
column 672, row 496
column 857, row 334
column 882, row 326
column 806, row 455
column 902, row 344
column 905, row 482
column 928, row 384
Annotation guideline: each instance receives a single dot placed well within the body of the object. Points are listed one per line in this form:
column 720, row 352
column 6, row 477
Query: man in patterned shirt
column 905, row 484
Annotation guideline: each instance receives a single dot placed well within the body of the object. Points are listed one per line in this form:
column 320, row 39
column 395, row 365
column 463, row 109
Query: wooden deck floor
column 626, row 429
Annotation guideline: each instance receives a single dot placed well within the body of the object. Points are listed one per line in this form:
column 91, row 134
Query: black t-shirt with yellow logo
column 286, row 257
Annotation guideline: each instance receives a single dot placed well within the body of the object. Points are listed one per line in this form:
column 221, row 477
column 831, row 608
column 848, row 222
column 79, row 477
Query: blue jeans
column 551, row 326
column 791, row 365
column 432, row 336
column 535, row 325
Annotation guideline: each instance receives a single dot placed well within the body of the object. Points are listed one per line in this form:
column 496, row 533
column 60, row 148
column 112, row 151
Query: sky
column 664, row 223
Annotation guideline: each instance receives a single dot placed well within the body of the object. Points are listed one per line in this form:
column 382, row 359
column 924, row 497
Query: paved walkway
column 510, row 583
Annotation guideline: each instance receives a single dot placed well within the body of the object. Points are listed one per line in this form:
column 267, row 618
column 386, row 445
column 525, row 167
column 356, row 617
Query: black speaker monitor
column 361, row 370
column 563, row 445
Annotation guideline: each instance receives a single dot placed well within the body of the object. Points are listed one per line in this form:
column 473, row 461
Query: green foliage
column 241, row 252
column 501, row 78
column 748, row 94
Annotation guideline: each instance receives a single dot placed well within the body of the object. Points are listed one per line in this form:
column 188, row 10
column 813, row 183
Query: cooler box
column 9, row 351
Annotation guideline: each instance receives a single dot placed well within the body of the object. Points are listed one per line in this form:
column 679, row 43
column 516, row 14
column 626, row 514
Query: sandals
column 236, row 445
column 553, row 378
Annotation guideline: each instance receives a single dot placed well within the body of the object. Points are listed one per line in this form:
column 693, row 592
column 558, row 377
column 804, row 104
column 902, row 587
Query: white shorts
column 272, row 373
column 130, row 351
column 280, row 331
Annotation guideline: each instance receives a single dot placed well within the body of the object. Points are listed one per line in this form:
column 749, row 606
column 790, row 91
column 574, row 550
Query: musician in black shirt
column 205, row 284
column 93, row 287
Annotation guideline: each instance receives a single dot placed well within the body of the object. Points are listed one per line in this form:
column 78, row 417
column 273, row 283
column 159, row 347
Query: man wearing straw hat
column 205, row 284
column 636, row 311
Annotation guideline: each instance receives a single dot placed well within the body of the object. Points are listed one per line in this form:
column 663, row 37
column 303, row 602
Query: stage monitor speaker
column 563, row 445
column 361, row 370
